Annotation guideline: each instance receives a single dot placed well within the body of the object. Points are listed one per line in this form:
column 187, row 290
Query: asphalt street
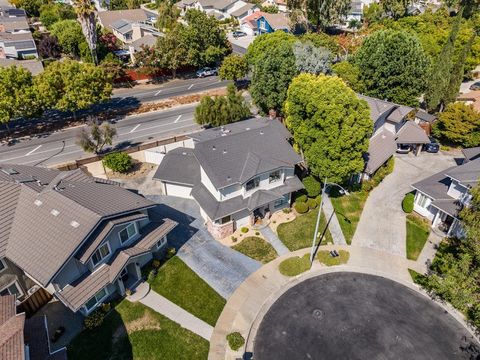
column 60, row 147
column 359, row 316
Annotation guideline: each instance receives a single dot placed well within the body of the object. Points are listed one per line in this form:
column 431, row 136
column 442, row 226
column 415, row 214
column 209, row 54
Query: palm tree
column 85, row 10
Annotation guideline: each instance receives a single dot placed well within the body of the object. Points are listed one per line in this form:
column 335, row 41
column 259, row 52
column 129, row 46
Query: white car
column 207, row 71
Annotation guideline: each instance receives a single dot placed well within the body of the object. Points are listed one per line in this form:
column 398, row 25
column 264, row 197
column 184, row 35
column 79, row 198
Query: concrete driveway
column 221, row 267
column 382, row 224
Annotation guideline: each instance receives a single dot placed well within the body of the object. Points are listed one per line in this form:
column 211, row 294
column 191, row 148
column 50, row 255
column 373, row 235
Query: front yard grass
column 257, row 249
column 295, row 265
column 417, row 235
column 179, row 284
column 133, row 331
column 348, row 209
column 298, row 234
column 325, row 258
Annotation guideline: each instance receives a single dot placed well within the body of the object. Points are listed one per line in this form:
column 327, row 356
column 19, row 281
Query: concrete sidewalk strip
column 333, row 224
column 174, row 312
column 273, row 239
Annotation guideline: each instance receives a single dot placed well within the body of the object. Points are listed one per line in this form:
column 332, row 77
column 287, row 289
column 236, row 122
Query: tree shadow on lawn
column 322, row 237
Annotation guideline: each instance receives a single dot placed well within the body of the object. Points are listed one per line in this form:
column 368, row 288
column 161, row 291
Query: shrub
column 312, row 186
column 287, row 210
column 407, row 203
column 301, row 207
column 119, row 162
column 234, row 239
column 106, row 307
column 235, row 340
column 257, row 233
column 94, row 320
column 156, row 263
column 151, row 276
column 301, row 199
column 244, row 229
column 312, row 204
column 170, row 252
column 379, row 175
column 318, row 199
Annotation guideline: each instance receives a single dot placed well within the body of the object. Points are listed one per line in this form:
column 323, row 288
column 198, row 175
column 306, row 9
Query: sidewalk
column 175, row 313
column 332, row 221
column 273, row 239
column 429, row 250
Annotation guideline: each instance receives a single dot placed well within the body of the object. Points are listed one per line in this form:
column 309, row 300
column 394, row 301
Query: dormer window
column 102, row 252
column 274, row 176
column 252, row 184
column 127, row 233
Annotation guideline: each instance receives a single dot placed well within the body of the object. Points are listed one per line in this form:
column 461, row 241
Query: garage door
column 178, row 190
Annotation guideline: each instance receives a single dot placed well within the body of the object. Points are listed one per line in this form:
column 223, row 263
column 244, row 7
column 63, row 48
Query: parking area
column 240, row 44
column 358, row 316
column 382, row 224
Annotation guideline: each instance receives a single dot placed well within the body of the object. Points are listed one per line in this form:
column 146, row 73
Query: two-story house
column 269, row 23
column 441, row 196
column 16, row 41
column 236, row 173
column 391, row 131
column 220, row 9
column 80, row 238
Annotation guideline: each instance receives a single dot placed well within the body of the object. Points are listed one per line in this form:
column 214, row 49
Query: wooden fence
column 34, row 302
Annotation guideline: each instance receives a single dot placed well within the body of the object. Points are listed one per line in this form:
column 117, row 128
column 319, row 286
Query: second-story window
column 127, row 233
column 102, row 252
column 274, row 176
column 252, row 184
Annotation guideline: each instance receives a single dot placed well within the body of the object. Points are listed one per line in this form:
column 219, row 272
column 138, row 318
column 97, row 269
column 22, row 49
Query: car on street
column 403, row 148
column 207, row 71
column 432, row 147
column 238, row 33
column 475, row 86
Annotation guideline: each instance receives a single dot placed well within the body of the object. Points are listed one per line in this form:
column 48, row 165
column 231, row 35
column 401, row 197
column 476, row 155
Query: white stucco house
column 237, row 173
column 220, row 9
column 441, row 196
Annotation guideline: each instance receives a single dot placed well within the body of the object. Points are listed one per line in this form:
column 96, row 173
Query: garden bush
column 119, row 162
column 312, row 204
column 235, row 340
column 301, row 207
column 170, row 253
column 312, row 186
column 244, row 229
column 301, row 199
column 379, row 175
column 407, row 203
column 94, row 320
column 318, row 199
column 287, row 210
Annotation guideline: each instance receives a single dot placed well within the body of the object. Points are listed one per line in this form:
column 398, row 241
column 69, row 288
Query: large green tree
column 70, row 37
column 330, row 124
column 350, row 73
column 459, row 124
column 234, row 67
column 395, row 8
column 272, row 73
column 312, row 59
column 50, row 13
column 87, row 17
column 266, row 43
column 31, row 7
column 18, row 98
column 222, row 110
column 321, row 13
column 168, row 15
column 73, row 86
column 393, row 66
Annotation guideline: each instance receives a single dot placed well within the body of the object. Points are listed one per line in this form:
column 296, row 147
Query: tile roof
column 179, row 166
column 11, row 330
column 253, row 17
column 411, row 133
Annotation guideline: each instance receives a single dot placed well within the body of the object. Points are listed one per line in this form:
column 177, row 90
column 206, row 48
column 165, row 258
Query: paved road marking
column 32, row 151
column 178, row 118
column 190, row 86
column 158, row 92
column 135, row 128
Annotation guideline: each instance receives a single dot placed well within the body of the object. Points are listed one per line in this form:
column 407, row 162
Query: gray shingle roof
column 411, row 133
column 34, row 66
column 451, row 206
column 467, row 174
column 55, row 212
column 381, row 147
column 471, row 153
column 179, row 166
column 243, row 10
column 234, row 155
column 425, row 116
column 380, row 107
column 435, row 186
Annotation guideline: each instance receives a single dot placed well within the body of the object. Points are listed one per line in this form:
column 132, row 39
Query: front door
column 124, row 275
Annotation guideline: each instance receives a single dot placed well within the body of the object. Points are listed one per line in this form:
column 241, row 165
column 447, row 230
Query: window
column 96, row 299
column 225, row 219
column 12, row 289
column 127, row 233
column 3, row 266
column 102, row 252
column 162, row 242
column 282, row 201
column 421, row 200
column 252, row 184
column 274, row 176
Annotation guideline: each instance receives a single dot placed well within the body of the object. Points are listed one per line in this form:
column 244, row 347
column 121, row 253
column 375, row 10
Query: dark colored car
column 475, row 86
column 432, row 147
column 404, row 148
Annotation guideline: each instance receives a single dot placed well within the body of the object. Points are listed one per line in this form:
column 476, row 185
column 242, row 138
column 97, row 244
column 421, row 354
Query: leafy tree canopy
column 322, row 40
column 168, row 15
column 32, row 7
column 234, row 67
column 330, row 124
column 393, row 66
column 321, row 13
column 350, row 73
column 70, row 36
column 266, row 43
column 50, row 13
column 312, row 59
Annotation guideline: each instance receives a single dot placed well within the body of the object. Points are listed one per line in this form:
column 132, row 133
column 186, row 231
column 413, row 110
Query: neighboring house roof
column 109, row 18
column 381, row 147
column 472, row 96
column 10, row 11
column 75, row 295
column 243, row 10
column 8, row 24
column 277, row 21
column 380, row 107
column 34, row 66
column 20, row 41
column 471, row 153
column 467, row 174
column 122, row 26
column 148, row 40
column 253, row 17
column 411, row 133
column 179, row 166
column 216, row 4
column 54, row 212
column 237, row 152
column 184, row 3
column 425, row 116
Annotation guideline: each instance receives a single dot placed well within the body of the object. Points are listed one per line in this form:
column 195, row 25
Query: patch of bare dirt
column 146, row 322
column 138, row 170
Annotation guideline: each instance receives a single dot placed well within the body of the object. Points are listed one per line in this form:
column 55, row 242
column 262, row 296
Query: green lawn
column 417, row 234
column 348, row 209
column 298, row 234
column 295, row 265
column 325, row 258
column 133, row 331
column 257, row 249
column 178, row 283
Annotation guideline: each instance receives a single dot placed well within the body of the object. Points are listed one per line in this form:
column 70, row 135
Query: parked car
column 404, row 148
column 238, row 33
column 207, row 71
column 475, row 86
column 432, row 147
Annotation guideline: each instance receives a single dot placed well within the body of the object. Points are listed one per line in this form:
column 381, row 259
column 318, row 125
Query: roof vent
column 224, row 151
column 214, row 148
column 229, row 178
column 10, row 171
column 184, row 153
column 25, row 180
column 261, row 132
column 38, row 202
column 247, row 128
column 54, row 212
column 74, row 224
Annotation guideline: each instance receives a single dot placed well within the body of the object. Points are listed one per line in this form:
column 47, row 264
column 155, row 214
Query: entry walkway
column 332, row 220
column 174, row 312
column 273, row 239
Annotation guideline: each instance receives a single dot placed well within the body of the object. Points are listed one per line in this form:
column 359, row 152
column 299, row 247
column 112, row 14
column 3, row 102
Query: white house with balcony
column 237, row 174
column 441, row 196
